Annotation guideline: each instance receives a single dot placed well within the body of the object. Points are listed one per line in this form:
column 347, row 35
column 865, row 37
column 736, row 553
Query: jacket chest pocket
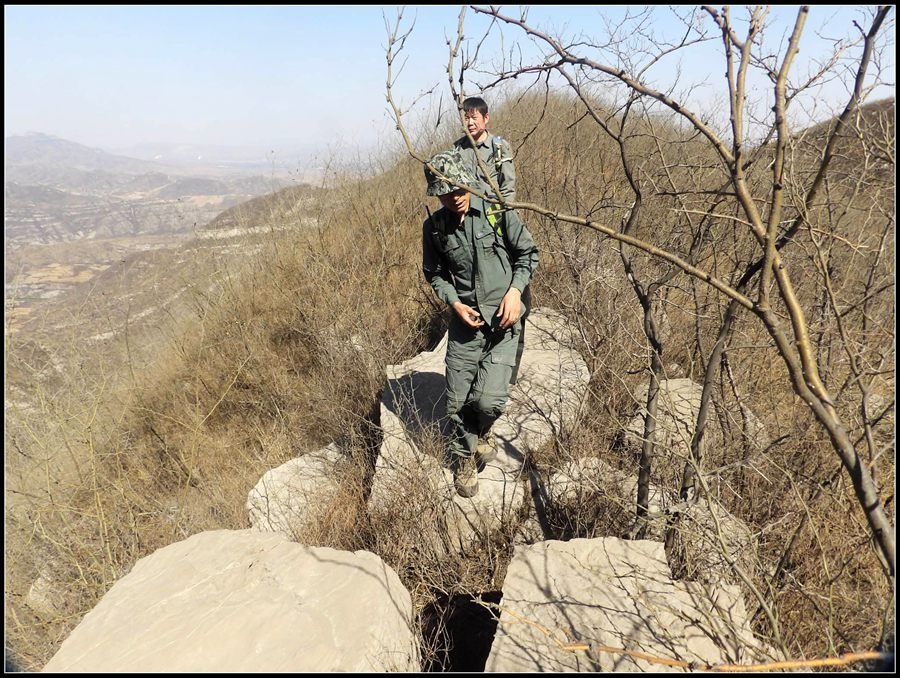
column 490, row 249
column 449, row 246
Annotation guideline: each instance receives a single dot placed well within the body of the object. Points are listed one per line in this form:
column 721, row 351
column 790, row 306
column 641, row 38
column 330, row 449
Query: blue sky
column 260, row 76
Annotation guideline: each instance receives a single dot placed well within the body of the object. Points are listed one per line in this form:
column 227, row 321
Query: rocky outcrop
column 242, row 601
column 732, row 429
column 707, row 538
column 551, row 383
column 288, row 498
column 254, row 600
column 584, row 604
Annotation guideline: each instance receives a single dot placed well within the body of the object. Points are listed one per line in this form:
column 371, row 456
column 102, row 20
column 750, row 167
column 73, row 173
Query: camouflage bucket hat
column 451, row 165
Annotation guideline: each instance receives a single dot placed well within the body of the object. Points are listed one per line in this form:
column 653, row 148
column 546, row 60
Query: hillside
column 137, row 295
column 71, row 211
column 282, row 340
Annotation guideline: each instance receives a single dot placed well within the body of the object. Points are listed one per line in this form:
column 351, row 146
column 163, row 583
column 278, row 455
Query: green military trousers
column 478, row 367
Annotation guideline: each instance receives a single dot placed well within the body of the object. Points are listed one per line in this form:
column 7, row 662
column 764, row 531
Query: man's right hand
column 469, row 316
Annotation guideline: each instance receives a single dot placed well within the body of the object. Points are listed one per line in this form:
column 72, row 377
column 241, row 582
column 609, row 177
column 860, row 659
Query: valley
column 73, row 213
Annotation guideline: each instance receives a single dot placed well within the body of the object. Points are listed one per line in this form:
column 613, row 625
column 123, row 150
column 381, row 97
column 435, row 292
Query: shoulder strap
column 434, row 226
column 496, row 217
column 494, row 212
column 497, row 150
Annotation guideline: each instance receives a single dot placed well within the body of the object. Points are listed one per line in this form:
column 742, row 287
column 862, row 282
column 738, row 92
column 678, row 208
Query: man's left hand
column 510, row 308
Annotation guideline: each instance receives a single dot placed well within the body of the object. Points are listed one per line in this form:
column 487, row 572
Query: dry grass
column 285, row 352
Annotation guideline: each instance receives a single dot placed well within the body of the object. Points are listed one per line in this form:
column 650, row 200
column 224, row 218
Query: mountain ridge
column 37, row 148
column 72, row 211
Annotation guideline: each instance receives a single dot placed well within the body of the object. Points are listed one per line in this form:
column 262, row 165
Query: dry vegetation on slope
column 286, row 353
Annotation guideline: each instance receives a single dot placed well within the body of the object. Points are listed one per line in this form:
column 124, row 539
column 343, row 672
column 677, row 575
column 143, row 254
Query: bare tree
column 774, row 199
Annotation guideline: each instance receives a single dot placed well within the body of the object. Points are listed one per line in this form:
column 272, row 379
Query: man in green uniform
column 478, row 262
column 493, row 150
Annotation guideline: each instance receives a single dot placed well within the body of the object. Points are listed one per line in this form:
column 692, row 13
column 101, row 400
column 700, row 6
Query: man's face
column 457, row 202
column 477, row 124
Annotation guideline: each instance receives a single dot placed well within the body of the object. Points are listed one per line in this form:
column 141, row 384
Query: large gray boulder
column 707, row 538
column 410, row 472
column 244, row 601
column 289, row 498
column 677, row 409
column 567, row 605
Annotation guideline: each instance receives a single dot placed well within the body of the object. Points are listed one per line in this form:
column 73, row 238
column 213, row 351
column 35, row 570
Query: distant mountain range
column 285, row 155
column 33, row 150
column 58, row 191
column 37, row 149
column 74, row 214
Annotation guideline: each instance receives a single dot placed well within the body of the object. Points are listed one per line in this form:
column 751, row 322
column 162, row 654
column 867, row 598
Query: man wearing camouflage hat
column 478, row 261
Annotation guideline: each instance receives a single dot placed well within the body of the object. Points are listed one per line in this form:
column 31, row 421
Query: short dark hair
column 475, row 104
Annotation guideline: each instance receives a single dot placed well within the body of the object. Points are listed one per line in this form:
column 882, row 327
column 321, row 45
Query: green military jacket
column 497, row 156
column 475, row 262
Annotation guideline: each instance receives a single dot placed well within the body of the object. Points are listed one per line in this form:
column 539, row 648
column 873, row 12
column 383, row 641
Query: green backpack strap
column 493, row 213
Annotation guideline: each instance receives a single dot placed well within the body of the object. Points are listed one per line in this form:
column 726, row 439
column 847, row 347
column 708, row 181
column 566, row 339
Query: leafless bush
column 759, row 265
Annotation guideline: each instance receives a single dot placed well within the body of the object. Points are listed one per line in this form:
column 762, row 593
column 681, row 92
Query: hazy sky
column 260, row 76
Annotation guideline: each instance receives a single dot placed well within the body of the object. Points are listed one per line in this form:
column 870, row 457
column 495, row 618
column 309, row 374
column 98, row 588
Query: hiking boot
column 465, row 476
column 486, row 449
